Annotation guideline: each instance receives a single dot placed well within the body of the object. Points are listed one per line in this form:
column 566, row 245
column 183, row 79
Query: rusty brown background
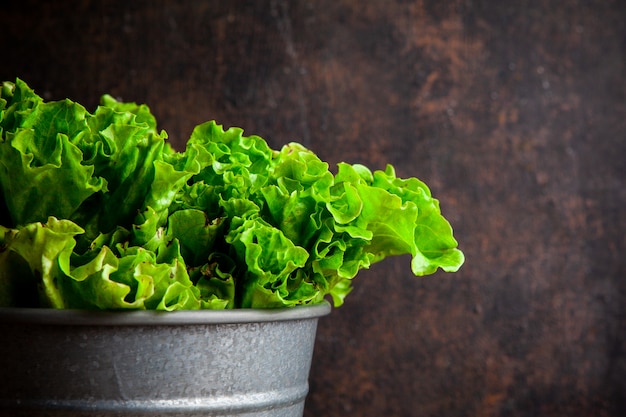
column 513, row 112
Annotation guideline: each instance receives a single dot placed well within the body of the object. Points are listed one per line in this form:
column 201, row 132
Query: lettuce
column 97, row 211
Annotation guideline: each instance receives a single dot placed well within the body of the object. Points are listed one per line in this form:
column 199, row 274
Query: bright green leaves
column 435, row 245
column 134, row 280
column 196, row 234
column 112, row 276
column 46, row 249
column 99, row 212
column 56, row 159
column 269, row 258
column 238, row 165
column 126, row 159
column 37, row 152
column 68, row 184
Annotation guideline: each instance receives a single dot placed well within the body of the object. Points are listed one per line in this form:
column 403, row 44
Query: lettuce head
column 98, row 211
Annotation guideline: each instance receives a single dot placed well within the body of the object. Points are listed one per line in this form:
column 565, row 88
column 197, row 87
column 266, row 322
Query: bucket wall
column 80, row 364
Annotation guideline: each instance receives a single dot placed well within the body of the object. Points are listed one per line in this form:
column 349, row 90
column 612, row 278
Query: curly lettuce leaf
column 435, row 245
column 297, row 191
column 57, row 159
column 41, row 168
column 134, row 280
column 196, row 233
column 238, row 164
column 216, row 282
column 46, row 248
column 269, row 258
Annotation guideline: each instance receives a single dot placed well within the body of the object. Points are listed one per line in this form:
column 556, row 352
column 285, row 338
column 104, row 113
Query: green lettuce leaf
column 216, row 282
column 37, row 153
column 269, row 258
column 196, row 233
column 46, row 249
column 134, row 280
column 435, row 246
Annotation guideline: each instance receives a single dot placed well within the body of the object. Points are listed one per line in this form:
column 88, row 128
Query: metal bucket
column 184, row 363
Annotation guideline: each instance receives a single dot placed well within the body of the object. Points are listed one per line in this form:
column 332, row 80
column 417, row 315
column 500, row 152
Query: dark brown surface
column 513, row 112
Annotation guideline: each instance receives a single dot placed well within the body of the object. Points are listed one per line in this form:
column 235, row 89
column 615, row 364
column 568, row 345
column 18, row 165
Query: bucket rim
column 65, row 317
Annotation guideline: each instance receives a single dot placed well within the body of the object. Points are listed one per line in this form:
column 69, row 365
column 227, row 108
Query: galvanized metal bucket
column 185, row 363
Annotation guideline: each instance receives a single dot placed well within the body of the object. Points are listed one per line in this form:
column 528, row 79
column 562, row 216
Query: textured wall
column 513, row 112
